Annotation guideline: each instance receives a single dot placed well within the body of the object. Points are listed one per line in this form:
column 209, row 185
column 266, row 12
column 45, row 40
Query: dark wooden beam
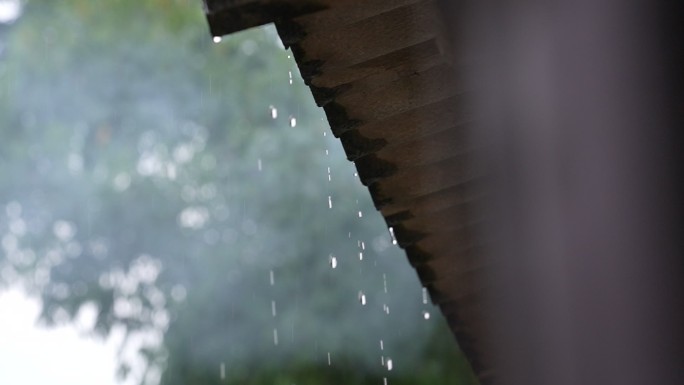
column 228, row 16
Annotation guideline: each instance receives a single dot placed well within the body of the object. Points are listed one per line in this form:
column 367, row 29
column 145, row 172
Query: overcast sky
column 31, row 355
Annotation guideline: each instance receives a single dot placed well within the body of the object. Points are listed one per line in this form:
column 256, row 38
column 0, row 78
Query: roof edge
column 228, row 16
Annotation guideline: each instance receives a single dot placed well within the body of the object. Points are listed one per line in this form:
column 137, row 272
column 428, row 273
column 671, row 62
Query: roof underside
column 386, row 76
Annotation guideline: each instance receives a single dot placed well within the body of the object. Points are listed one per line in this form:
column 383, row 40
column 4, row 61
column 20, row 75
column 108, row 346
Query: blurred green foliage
column 143, row 174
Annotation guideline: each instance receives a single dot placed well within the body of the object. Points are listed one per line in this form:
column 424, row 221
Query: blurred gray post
column 580, row 113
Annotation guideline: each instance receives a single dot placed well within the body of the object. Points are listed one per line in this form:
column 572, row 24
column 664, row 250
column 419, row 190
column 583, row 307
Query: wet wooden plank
column 407, row 237
column 443, row 221
column 455, row 264
column 369, row 38
column 461, row 289
column 228, row 16
column 378, row 71
column 431, row 86
column 461, row 194
column 338, row 15
column 390, row 185
column 410, row 125
column 438, row 246
column 427, row 150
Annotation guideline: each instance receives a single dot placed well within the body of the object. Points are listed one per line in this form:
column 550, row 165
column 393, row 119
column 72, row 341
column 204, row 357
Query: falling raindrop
column 394, row 239
column 327, row 152
column 360, row 214
column 223, row 370
column 362, row 298
column 329, row 201
column 325, row 133
column 360, row 256
column 385, row 308
column 384, row 381
column 273, row 308
column 259, row 164
column 274, row 112
column 272, row 277
column 329, row 362
column 382, row 345
column 382, row 360
column 275, row 336
column 333, row 261
column 293, row 121
column 328, row 174
column 289, row 74
column 426, row 315
column 425, row 296
column 384, row 281
column 217, row 39
column 389, row 364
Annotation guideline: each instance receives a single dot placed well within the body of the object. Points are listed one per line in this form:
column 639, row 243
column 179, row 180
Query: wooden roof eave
column 386, row 77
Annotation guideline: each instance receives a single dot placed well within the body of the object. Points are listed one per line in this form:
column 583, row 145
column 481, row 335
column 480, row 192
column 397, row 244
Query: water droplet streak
column 394, row 239
column 362, row 298
column 272, row 278
column 275, row 336
column 217, row 39
column 329, row 201
column 274, row 112
column 223, row 370
column 333, row 261
column 273, row 308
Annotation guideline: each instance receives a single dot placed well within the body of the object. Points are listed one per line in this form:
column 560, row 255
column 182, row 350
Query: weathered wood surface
column 387, row 79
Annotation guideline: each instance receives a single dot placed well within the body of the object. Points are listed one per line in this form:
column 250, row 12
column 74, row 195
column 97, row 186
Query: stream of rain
column 181, row 198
